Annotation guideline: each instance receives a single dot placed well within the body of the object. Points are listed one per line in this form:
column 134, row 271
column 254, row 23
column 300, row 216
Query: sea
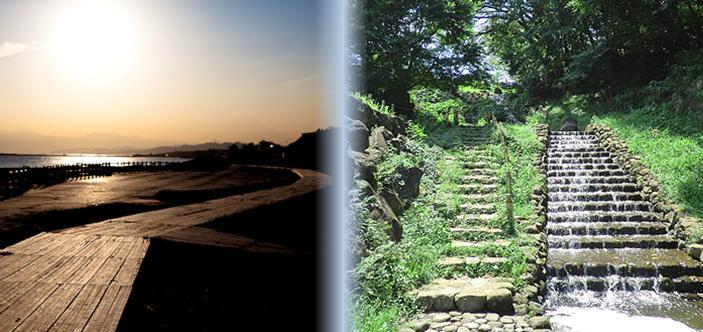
column 15, row 161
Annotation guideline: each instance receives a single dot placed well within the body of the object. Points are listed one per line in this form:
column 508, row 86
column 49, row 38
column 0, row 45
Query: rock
column 695, row 251
column 400, row 143
column 485, row 328
column 441, row 317
column 439, row 326
column 393, row 200
column 419, row 325
column 450, row 328
column 406, row 329
column 491, row 317
column 377, row 139
column 500, row 301
column 411, row 182
column 463, row 329
column 358, row 135
column 507, row 320
column 396, row 229
column 539, row 322
column 471, row 326
column 470, row 300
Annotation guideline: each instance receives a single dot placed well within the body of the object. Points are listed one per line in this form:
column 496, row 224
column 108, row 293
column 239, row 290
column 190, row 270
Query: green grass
column 670, row 145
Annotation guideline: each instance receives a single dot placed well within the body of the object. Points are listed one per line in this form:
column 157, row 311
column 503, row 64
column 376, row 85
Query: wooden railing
column 508, row 177
column 14, row 181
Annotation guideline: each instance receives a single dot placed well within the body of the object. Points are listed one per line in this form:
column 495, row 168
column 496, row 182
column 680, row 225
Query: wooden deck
column 79, row 279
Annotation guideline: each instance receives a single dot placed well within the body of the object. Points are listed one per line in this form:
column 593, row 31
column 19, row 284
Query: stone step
column 461, row 245
column 459, row 262
column 590, row 179
column 567, row 133
column 469, row 233
column 568, row 174
column 612, row 196
column 473, row 265
column 600, row 206
column 589, row 160
column 480, row 209
column 582, row 167
column 474, row 218
column 481, row 171
column 482, row 179
column 612, row 242
column 467, row 295
column 479, row 198
column 623, row 262
column 607, row 228
column 602, row 216
column 478, row 188
column 595, row 187
column 482, row 165
column 560, row 148
column 683, row 284
column 584, row 154
column 573, row 143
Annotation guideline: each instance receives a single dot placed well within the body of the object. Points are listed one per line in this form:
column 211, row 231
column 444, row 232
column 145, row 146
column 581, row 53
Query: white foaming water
column 574, row 319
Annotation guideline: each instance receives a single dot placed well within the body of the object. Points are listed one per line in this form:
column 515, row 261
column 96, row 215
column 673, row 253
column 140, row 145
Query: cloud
column 9, row 49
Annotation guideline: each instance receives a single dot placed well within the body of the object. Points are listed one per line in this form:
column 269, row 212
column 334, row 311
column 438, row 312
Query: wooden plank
column 78, row 313
column 129, row 270
column 51, row 309
column 25, row 306
column 13, row 291
column 27, row 244
column 108, row 312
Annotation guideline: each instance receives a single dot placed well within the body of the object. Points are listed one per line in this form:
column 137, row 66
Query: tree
column 554, row 47
column 403, row 44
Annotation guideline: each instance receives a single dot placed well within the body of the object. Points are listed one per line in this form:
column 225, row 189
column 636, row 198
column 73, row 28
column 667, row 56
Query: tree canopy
column 403, row 44
column 581, row 46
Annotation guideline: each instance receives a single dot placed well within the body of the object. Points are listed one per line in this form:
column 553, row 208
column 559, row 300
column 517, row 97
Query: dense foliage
column 403, row 44
column 583, row 46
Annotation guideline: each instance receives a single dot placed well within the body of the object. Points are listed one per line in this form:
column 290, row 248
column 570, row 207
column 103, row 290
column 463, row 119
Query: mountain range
column 27, row 142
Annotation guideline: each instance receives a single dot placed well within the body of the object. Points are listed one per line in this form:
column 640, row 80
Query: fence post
column 508, row 178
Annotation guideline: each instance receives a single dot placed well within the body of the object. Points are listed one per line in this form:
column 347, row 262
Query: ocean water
column 14, row 161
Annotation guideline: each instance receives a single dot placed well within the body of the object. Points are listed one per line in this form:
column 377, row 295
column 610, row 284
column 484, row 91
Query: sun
column 95, row 39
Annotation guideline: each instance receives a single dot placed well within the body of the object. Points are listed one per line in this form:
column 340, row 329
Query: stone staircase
column 469, row 297
column 602, row 234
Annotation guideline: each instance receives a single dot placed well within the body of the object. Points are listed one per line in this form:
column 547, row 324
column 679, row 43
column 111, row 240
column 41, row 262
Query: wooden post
column 508, row 179
column 456, row 118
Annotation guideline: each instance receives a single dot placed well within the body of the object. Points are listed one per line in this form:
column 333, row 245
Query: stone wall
column 681, row 223
column 528, row 300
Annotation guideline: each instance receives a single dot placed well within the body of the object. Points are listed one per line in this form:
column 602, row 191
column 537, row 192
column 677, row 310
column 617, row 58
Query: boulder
column 396, row 229
column 411, row 177
column 393, row 200
column 470, row 300
column 377, row 139
column 358, row 135
column 500, row 301
column 539, row 322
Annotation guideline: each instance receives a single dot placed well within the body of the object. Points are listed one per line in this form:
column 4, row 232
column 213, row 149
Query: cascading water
column 612, row 264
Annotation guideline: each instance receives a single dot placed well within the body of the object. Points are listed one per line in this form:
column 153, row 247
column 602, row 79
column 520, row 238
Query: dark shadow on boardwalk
column 191, row 287
column 17, row 229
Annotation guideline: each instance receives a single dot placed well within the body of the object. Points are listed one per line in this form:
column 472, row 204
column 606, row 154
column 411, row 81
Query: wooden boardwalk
column 80, row 278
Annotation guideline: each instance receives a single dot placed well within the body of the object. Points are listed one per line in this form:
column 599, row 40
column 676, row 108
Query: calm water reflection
column 9, row 161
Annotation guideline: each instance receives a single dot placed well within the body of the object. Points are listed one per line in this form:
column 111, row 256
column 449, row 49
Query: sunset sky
column 171, row 70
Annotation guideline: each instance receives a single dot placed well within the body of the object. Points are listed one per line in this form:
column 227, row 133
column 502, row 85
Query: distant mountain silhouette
column 28, row 142
column 188, row 147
